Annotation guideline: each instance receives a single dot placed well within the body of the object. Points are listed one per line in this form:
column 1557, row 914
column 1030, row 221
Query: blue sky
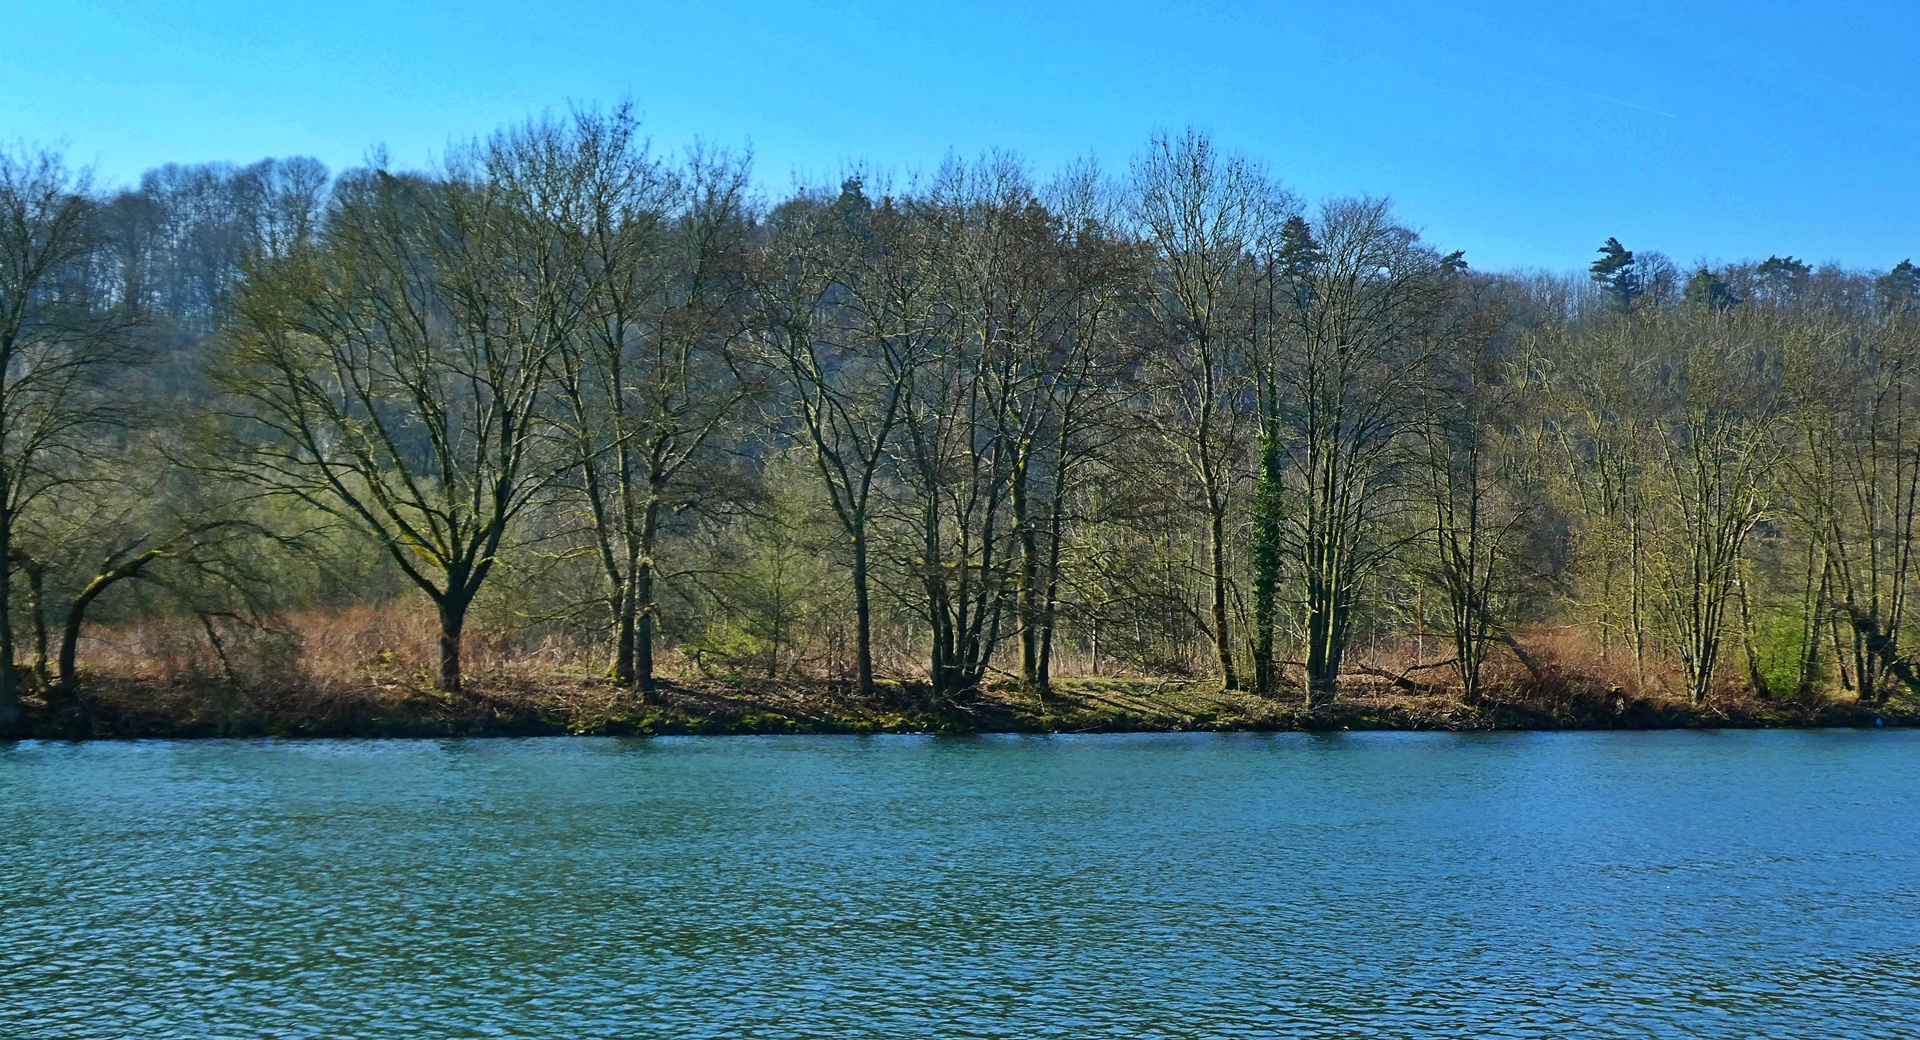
column 1524, row 133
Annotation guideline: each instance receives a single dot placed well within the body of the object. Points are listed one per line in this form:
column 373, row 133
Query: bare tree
column 1590, row 385
column 848, row 364
column 393, row 372
column 999, row 417
column 1720, row 411
column 649, row 379
column 1855, row 476
column 59, row 339
column 1202, row 212
column 1073, row 410
column 182, row 239
column 1351, row 392
column 1477, row 477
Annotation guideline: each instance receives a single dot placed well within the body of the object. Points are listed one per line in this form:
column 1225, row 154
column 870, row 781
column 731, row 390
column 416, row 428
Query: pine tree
column 1617, row 273
column 1780, row 279
column 1299, row 253
column 1706, row 290
column 1898, row 289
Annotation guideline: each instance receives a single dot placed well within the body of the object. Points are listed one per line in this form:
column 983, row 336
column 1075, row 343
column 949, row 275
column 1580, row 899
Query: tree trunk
column 939, row 612
column 1050, row 605
column 1222, row 635
column 1755, row 677
column 1325, row 647
column 67, row 678
column 643, row 628
column 863, row 612
column 1323, row 681
column 1266, row 564
column 37, row 608
column 1527, row 660
column 625, row 608
column 66, row 687
column 1634, row 595
column 1030, row 672
column 1812, row 598
column 9, row 675
column 620, row 669
column 643, row 592
column 1469, row 656
column 1043, row 664
column 1050, row 598
column 1882, row 645
column 942, row 642
column 453, row 618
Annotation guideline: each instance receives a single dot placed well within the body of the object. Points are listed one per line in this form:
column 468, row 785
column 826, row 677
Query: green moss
column 1778, row 635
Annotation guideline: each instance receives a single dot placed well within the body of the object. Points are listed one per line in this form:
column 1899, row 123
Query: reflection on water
column 1703, row 884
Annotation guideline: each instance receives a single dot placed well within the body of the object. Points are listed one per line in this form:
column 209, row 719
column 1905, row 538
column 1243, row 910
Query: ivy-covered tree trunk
column 1266, row 562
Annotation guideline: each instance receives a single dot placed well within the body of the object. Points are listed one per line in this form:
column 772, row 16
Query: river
column 1716, row 884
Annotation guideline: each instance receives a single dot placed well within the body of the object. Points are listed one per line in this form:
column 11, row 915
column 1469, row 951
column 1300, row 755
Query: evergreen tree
column 1617, row 273
column 1898, row 288
column 1780, row 279
column 1704, row 289
column 1293, row 266
column 1299, row 253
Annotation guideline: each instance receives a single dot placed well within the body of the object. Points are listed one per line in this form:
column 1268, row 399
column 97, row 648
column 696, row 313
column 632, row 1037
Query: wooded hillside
column 568, row 406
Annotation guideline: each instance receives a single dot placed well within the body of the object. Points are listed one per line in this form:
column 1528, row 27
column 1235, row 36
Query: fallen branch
column 1532, row 666
column 1402, row 682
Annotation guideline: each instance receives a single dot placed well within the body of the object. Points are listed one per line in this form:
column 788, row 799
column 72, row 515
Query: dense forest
column 566, row 405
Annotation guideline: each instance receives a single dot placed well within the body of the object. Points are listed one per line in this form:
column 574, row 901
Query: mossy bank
column 122, row 708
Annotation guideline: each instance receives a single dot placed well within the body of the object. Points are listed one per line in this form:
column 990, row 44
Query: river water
column 1735, row 884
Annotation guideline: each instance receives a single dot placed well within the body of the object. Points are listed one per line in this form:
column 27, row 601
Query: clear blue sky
column 1524, row 133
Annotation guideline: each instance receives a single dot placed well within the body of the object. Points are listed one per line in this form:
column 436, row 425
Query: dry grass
column 366, row 671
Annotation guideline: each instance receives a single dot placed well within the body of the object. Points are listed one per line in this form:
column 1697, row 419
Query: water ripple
column 1386, row 885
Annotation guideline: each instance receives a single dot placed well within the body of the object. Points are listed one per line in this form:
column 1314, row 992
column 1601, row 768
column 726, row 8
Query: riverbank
column 132, row 708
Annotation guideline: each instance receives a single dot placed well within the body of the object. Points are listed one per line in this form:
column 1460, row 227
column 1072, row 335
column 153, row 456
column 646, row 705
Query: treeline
column 963, row 427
